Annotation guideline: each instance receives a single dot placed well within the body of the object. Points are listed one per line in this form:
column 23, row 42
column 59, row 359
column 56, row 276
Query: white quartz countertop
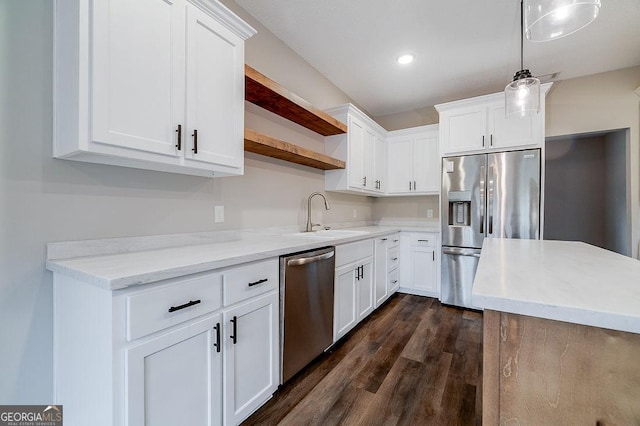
column 559, row 280
column 119, row 263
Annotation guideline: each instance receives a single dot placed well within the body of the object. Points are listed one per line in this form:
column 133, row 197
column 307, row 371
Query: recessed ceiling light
column 405, row 59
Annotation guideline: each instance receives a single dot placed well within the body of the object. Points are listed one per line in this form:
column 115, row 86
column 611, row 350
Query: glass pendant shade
column 551, row 19
column 522, row 95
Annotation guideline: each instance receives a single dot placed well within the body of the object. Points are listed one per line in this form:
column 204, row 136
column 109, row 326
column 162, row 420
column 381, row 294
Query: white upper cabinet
column 150, row 84
column 479, row 125
column 413, row 166
column 362, row 149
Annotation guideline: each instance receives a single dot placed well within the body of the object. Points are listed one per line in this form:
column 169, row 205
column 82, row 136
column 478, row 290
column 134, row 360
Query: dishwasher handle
column 307, row 260
column 461, row 252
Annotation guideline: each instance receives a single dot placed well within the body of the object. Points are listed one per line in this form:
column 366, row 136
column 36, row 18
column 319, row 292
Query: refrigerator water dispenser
column 459, row 208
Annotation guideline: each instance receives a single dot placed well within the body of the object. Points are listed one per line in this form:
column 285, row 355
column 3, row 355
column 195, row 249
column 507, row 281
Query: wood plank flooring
column 412, row 362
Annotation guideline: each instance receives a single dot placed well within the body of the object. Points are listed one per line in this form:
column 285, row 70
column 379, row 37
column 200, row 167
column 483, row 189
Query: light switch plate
column 218, row 214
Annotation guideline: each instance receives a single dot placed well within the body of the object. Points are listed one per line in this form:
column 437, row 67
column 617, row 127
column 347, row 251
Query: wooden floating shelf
column 265, row 145
column 271, row 96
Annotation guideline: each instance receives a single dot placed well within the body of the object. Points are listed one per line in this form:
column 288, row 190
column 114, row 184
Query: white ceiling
column 463, row 48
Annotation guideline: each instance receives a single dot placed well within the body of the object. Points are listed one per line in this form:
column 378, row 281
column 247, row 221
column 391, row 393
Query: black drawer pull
column 423, row 241
column 217, row 343
column 395, row 241
column 186, row 305
column 394, row 258
column 264, row 280
column 383, row 239
column 234, row 336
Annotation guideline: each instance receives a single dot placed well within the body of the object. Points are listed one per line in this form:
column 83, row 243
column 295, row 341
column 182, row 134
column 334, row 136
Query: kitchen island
column 561, row 333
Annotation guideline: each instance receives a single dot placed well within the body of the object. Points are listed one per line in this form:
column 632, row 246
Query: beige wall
column 406, row 208
column 412, row 118
column 600, row 102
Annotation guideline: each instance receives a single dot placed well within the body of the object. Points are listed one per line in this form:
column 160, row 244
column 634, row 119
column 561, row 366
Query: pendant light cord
column 521, row 35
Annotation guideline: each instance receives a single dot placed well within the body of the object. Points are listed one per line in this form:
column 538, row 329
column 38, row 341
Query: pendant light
column 551, row 19
column 522, row 95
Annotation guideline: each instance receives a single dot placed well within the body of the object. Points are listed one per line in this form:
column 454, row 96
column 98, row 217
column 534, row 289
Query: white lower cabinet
column 251, row 363
column 419, row 270
column 197, row 350
column 345, row 294
column 354, row 286
column 176, row 378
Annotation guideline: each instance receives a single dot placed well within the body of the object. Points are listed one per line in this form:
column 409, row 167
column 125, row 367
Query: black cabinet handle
column 433, row 255
column 383, row 239
column 423, row 241
column 234, row 336
column 264, row 280
column 195, row 141
column 394, row 258
column 483, row 141
column 217, row 343
column 491, row 140
column 186, row 305
column 179, row 144
column 394, row 281
column 395, row 241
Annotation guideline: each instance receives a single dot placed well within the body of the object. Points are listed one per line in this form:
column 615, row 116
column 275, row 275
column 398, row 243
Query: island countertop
column 559, row 280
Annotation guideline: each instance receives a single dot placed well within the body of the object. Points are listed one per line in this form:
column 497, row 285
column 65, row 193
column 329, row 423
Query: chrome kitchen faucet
column 326, row 206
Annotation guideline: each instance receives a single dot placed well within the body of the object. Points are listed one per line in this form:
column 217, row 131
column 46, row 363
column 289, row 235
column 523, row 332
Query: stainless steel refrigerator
column 484, row 196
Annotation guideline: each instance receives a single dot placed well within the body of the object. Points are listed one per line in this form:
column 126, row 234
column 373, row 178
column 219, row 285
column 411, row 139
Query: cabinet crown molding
column 226, row 17
column 353, row 110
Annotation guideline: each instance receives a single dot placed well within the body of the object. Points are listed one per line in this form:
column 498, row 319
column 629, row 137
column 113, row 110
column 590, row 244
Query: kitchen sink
column 328, row 234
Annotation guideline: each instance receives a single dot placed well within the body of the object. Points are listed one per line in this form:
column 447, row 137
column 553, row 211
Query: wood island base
column 538, row 371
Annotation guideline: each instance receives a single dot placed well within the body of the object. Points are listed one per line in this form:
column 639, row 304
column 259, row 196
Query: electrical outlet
column 429, row 212
column 218, row 214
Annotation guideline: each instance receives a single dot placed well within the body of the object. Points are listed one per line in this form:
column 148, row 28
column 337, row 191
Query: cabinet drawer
column 351, row 252
column 394, row 277
column 394, row 257
column 423, row 239
column 394, row 240
column 245, row 281
column 154, row 310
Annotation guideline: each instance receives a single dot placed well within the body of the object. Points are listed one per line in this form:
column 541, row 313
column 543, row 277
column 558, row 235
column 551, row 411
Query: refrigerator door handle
column 461, row 251
column 482, row 182
column 490, row 194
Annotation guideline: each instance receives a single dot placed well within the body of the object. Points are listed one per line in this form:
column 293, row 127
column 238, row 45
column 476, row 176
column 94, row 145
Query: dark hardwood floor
column 412, row 362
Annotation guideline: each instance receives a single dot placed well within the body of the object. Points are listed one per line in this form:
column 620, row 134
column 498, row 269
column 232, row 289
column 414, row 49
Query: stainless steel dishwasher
column 306, row 308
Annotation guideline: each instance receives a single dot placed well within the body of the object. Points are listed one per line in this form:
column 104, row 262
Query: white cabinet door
column 251, row 363
column 423, row 269
column 368, row 160
column 380, row 163
column 138, row 74
column 426, row 163
column 400, row 171
column 356, row 152
column 176, row 378
column 215, row 79
column 513, row 132
column 365, row 292
column 463, row 129
column 381, row 270
column 345, row 317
